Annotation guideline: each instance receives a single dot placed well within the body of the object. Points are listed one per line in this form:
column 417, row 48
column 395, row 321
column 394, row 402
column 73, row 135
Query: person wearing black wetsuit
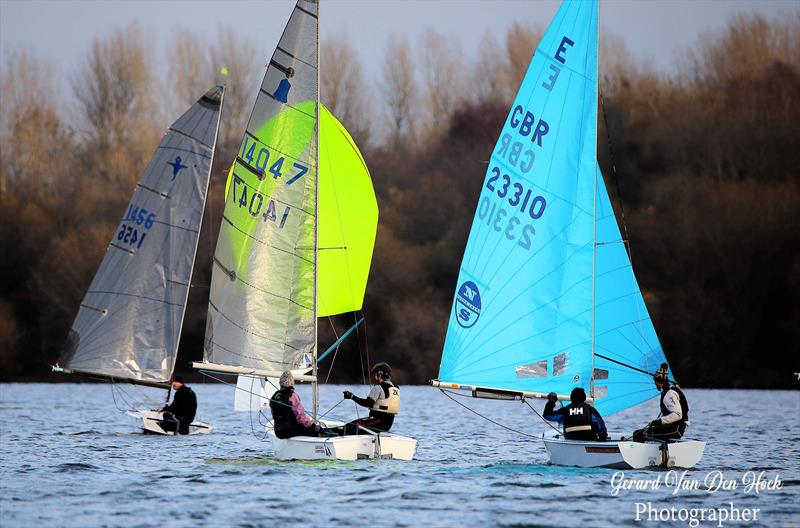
column 180, row 413
column 581, row 421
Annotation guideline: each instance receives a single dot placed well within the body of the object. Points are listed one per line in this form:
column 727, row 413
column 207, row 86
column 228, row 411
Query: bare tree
column 521, row 42
column 500, row 71
column 399, row 90
column 239, row 57
column 489, row 75
column 191, row 71
column 443, row 77
column 343, row 88
column 32, row 133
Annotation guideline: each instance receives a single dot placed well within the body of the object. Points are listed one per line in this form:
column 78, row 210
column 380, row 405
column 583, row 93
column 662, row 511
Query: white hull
column 350, row 447
column 151, row 424
column 623, row 454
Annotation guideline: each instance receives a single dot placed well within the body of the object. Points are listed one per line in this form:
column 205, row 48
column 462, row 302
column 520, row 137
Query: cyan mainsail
column 523, row 317
column 129, row 322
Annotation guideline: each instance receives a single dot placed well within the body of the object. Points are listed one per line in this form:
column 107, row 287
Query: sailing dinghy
column 129, row 324
column 546, row 297
column 295, row 244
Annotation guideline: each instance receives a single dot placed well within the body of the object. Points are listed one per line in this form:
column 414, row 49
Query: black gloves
column 347, row 395
column 552, row 397
column 655, row 422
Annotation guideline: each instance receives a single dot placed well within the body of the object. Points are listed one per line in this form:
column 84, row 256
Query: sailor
column 180, row 413
column 581, row 421
column 288, row 414
column 383, row 402
column 674, row 417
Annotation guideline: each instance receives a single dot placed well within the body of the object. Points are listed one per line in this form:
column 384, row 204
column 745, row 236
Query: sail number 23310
column 520, row 201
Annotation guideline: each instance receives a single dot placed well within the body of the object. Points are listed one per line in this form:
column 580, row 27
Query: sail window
column 600, row 392
column 533, row 370
column 600, row 374
column 560, row 363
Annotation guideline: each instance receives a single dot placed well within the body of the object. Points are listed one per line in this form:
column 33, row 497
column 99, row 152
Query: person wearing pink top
column 289, row 416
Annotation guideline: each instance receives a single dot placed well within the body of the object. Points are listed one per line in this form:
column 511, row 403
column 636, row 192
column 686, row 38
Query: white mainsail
column 129, row 322
column 262, row 306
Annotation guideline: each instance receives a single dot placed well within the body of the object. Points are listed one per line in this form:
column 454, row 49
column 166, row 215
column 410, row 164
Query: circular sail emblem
column 468, row 304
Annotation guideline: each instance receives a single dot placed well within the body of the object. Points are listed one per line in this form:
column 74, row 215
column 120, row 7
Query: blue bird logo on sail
column 468, row 304
column 177, row 165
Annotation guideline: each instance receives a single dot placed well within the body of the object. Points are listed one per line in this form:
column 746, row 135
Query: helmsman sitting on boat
column 581, row 421
column 180, row 413
column 674, row 411
column 383, row 402
column 289, row 416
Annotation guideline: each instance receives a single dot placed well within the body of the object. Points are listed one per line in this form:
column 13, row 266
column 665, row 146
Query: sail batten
column 129, row 322
column 544, row 280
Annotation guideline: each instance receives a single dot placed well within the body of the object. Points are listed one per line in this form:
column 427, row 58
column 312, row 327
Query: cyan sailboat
column 546, row 298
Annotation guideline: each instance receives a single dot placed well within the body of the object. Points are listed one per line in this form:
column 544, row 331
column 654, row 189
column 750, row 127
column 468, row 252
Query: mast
column 197, row 241
column 594, row 210
column 314, row 384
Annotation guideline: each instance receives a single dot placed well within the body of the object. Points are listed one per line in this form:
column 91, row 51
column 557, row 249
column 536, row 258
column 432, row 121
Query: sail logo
column 177, row 165
column 468, row 304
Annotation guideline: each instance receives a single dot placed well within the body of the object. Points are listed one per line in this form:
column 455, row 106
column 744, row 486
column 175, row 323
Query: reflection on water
column 70, row 458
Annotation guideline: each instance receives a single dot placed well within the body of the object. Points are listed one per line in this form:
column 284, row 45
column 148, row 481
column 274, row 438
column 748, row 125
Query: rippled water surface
column 70, row 458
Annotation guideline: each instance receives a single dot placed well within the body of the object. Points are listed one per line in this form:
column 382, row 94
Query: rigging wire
column 616, row 177
column 335, row 352
column 556, row 429
column 447, row 393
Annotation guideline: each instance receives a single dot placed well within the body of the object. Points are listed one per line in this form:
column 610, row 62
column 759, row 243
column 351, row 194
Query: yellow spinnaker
column 347, row 222
column 347, row 213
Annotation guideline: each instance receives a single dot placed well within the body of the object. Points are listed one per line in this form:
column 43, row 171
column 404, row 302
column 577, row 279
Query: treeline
column 706, row 174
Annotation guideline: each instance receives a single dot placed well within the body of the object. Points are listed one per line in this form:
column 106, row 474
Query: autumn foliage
column 703, row 163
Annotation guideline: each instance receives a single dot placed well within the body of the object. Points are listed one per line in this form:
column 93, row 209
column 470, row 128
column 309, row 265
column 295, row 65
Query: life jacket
column 281, row 407
column 684, row 403
column 577, row 418
column 390, row 403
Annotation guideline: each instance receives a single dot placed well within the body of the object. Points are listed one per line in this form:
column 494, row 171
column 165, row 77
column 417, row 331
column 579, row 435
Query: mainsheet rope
column 448, row 394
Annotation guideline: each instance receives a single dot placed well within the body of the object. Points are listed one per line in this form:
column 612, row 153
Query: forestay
column 523, row 317
column 129, row 322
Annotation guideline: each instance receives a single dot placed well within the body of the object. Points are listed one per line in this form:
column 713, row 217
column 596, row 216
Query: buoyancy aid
column 281, row 407
column 577, row 418
column 390, row 403
column 683, row 401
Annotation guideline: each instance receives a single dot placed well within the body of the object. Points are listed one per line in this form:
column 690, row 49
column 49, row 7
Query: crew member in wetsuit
column 288, row 414
column 383, row 402
column 674, row 417
column 581, row 421
column 180, row 413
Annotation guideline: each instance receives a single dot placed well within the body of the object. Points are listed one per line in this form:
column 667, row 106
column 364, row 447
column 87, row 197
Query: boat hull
column 152, row 424
column 623, row 454
column 349, row 447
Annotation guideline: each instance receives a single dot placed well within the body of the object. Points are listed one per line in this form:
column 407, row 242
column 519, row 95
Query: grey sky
column 653, row 31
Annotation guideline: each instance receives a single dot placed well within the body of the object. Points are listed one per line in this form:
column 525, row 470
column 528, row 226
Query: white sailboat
column 295, row 242
column 546, row 298
column 129, row 323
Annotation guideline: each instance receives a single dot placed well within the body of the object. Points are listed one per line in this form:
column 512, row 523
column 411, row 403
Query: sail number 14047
column 522, row 200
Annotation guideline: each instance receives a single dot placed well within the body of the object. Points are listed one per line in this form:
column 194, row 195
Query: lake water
column 70, row 458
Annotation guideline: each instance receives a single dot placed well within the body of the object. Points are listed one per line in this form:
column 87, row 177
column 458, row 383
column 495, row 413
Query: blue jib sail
column 522, row 310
